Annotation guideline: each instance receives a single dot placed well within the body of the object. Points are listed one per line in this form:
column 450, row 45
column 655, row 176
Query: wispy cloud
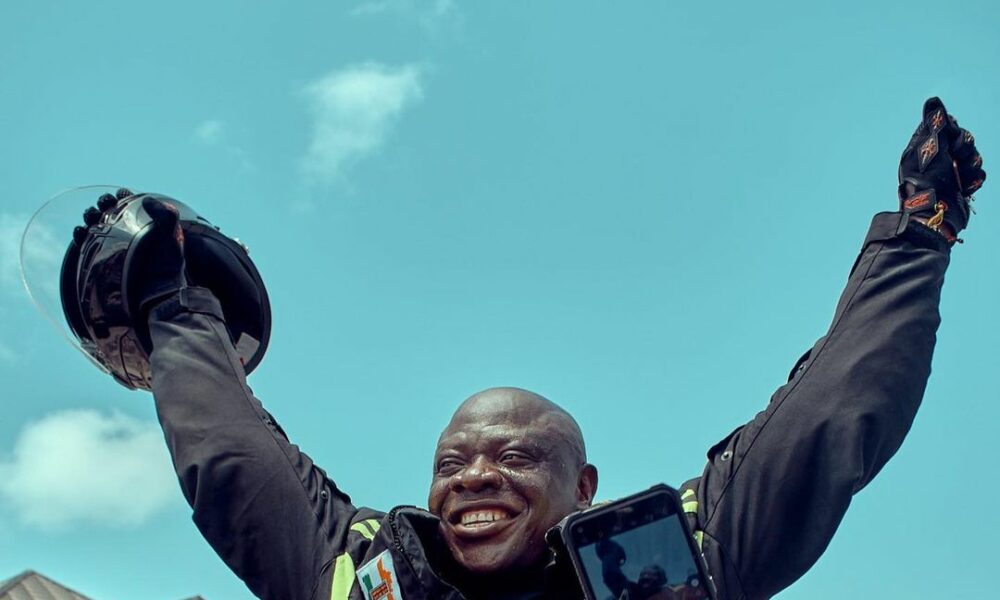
column 43, row 254
column 11, row 228
column 353, row 110
column 212, row 132
column 84, row 466
column 442, row 7
column 372, row 7
column 6, row 353
column 431, row 14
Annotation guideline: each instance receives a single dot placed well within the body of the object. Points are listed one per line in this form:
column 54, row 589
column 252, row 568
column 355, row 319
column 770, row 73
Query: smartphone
column 637, row 548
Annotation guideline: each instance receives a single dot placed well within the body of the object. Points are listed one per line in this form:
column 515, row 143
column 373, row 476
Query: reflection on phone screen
column 650, row 562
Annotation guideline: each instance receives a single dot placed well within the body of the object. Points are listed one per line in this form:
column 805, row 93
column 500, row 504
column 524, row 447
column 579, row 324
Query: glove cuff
column 190, row 299
column 937, row 211
column 891, row 225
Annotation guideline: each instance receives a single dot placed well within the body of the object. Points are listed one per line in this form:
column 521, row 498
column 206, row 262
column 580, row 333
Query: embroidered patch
column 921, row 200
column 927, row 151
column 937, row 121
column 378, row 579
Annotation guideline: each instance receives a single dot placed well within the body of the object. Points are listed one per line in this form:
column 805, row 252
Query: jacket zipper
column 398, row 545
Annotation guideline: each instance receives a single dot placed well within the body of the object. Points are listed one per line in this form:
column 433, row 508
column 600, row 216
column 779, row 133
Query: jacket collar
column 424, row 560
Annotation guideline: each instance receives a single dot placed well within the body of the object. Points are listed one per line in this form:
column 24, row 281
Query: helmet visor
column 44, row 246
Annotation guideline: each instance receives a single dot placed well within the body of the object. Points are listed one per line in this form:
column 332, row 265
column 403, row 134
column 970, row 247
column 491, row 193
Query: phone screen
column 639, row 554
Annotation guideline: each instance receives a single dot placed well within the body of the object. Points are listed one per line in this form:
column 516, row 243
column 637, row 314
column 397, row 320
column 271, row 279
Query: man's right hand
column 161, row 272
column 159, row 266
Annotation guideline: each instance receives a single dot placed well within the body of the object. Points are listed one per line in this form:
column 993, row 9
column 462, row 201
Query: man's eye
column 448, row 465
column 513, row 458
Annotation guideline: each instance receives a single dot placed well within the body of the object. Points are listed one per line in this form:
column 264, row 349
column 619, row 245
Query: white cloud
column 43, row 252
column 443, row 7
column 43, row 256
column 84, row 466
column 11, row 228
column 353, row 110
column 427, row 12
column 373, row 7
column 210, row 131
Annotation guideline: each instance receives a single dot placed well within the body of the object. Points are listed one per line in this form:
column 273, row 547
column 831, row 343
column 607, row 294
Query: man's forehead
column 501, row 426
column 505, row 412
column 500, row 406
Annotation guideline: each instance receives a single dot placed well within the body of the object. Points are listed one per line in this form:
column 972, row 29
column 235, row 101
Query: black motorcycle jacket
column 764, row 509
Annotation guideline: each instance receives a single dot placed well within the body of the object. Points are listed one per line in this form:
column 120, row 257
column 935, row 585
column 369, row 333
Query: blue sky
column 645, row 213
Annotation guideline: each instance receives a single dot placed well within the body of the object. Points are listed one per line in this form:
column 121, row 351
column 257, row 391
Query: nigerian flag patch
column 378, row 579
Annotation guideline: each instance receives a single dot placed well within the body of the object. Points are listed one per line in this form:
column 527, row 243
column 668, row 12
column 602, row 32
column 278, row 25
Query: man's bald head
column 522, row 407
column 509, row 466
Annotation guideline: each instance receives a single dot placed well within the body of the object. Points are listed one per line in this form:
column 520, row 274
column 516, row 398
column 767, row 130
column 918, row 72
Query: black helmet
column 101, row 307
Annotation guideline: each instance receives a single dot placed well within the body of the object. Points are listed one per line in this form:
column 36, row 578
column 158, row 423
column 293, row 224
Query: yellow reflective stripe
column 363, row 529
column 699, row 537
column 367, row 528
column 691, row 507
column 687, row 494
column 343, row 577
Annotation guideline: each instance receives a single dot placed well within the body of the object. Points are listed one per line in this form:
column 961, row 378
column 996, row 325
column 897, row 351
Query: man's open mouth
column 481, row 518
column 481, row 521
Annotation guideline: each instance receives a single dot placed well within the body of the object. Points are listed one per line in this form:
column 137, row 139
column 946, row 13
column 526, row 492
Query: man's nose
column 478, row 475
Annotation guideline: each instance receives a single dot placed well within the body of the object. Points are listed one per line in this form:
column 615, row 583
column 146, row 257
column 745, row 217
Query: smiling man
column 512, row 464
column 509, row 466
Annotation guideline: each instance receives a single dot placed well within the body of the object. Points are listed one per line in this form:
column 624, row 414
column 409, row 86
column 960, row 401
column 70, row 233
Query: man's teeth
column 481, row 517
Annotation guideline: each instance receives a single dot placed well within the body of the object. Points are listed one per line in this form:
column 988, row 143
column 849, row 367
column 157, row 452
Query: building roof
column 35, row 586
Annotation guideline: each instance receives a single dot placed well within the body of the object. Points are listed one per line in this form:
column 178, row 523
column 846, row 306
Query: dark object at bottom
column 101, row 304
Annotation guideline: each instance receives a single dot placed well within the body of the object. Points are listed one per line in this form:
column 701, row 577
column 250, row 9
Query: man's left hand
column 939, row 171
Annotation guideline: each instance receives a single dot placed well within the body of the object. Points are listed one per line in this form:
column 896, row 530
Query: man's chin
column 484, row 558
column 488, row 556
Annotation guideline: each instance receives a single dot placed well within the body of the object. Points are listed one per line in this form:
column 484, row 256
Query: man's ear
column 586, row 486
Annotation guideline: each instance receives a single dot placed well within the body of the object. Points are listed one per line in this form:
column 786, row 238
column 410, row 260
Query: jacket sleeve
column 273, row 516
column 775, row 490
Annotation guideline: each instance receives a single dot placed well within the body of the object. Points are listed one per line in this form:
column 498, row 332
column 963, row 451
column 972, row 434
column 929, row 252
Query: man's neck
column 520, row 585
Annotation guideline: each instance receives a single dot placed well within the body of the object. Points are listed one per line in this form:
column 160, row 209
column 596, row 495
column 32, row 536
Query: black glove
column 162, row 266
column 160, row 255
column 93, row 215
column 939, row 171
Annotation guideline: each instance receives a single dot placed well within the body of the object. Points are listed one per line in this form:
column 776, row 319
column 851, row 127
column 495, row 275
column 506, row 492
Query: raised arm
column 775, row 490
column 612, row 557
column 266, row 509
column 273, row 516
